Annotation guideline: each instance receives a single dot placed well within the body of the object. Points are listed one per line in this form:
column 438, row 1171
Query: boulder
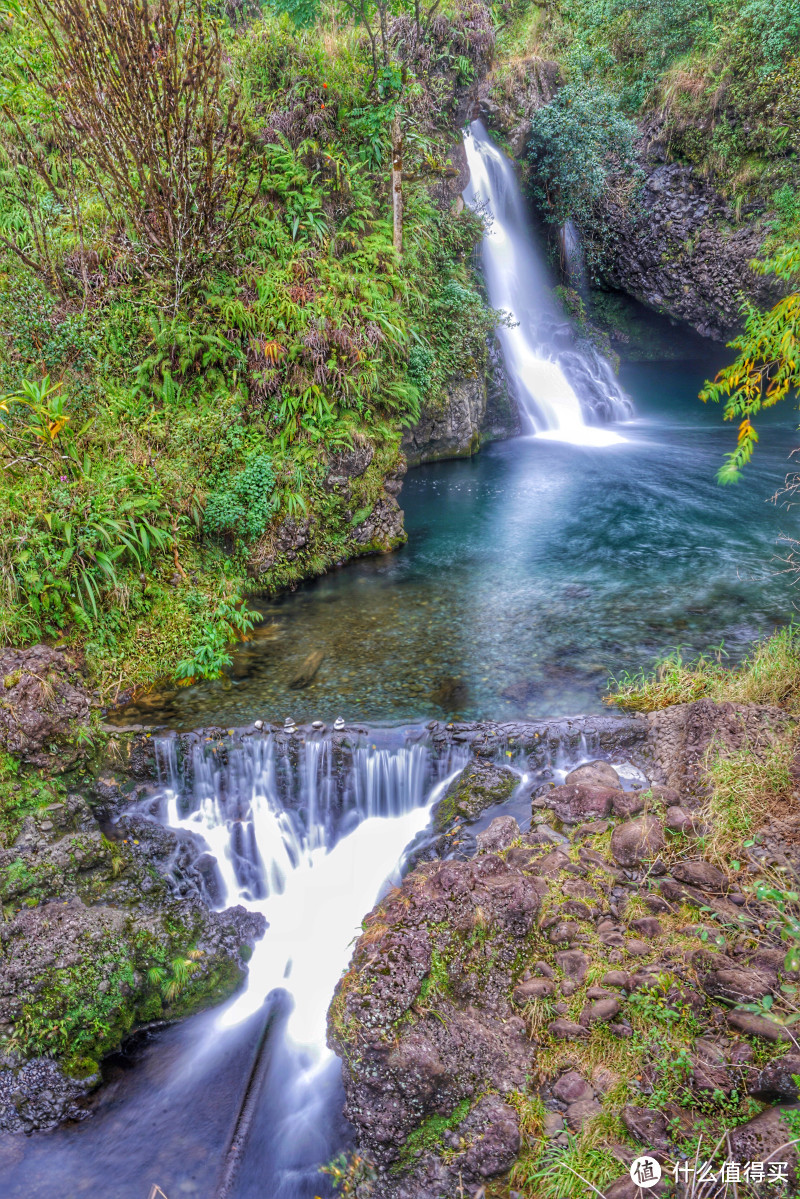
column 601, row 1011
column 573, row 964
column 572, row 1087
column 499, row 835
column 627, row 804
column 567, row 1030
column 534, row 988
column 577, row 802
column 482, row 785
column 776, row 1082
column 737, row 984
column 757, row 1026
column 579, row 1113
column 700, row 874
column 636, row 841
column 767, row 1137
column 595, row 774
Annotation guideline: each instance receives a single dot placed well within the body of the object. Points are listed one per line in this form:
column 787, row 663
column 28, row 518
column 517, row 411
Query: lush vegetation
column 201, row 303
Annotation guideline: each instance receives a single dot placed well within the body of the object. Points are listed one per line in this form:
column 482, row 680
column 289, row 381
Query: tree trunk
column 397, row 183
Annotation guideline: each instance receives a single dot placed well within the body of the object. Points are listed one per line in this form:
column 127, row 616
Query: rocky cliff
column 471, row 413
column 680, row 248
column 683, row 249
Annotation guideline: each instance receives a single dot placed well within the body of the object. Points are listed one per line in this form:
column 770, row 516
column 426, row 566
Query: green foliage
column 246, row 504
column 566, row 1172
column 579, row 143
column 767, row 365
column 430, row 1133
column 770, row 674
column 213, row 635
column 180, row 418
column 773, row 26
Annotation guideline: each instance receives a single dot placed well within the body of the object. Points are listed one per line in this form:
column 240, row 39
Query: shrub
column 579, row 142
column 245, row 506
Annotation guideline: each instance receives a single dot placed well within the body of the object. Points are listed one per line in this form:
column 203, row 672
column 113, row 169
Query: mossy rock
column 481, row 786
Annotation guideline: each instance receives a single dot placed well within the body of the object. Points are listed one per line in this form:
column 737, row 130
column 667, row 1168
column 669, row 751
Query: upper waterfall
column 561, row 389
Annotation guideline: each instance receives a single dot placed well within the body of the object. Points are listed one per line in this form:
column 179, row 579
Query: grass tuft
column 768, row 675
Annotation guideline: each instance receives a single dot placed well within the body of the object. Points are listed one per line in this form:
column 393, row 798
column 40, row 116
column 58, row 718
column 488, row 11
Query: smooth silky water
column 532, row 572
column 591, row 545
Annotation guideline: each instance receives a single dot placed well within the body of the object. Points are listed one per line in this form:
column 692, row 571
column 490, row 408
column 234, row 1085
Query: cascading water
column 562, row 390
column 308, row 837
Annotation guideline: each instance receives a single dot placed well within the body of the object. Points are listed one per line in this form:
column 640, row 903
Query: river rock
column 567, row 1030
column 737, row 984
column 482, row 785
column 499, row 835
column 577, row 1114
column 572, row 1088
column 595, row 774
column 577, row 802
column 753, row 1025
column 573, row 963
column 637, row 841
column 768, row 1137
column 647, row 1125
column 600, row 1012
column 775, row 1083
column 700, row 874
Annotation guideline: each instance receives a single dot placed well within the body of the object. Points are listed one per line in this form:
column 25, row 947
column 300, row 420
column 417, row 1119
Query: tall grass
column 770, row 674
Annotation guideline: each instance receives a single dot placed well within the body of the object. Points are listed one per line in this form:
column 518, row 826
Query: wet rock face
column 685, row 254
column 471, row 412
column 43, row 708
column 100, row 937
column 436, row 1027
column 450, row 430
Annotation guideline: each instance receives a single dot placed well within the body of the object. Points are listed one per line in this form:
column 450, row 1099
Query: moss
column 470, row 795
column 430, row 1135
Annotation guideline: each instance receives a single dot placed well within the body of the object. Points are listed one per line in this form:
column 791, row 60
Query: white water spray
column 313, row 866
column 556, row 384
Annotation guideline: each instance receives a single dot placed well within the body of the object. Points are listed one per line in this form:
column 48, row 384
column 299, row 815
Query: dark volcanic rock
column 775, row 1083
column 680, row 737
column 44, row 707
column 700, row 874
column 595, row 774
column 737, row 984
column 637, row 841
column 681, row 248
column 433, row 1035
column 480, row 786
column 577, row 802
column 767, row 1137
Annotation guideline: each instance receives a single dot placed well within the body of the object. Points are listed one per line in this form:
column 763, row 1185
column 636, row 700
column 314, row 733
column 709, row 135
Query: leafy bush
column 579, row 143
column 773, row 27
column 245, row 506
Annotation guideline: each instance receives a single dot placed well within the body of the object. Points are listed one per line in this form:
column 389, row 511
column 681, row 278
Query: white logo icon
column 645, row 1171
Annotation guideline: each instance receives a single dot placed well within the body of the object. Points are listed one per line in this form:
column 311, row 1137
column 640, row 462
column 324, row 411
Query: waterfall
column 563, row 390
